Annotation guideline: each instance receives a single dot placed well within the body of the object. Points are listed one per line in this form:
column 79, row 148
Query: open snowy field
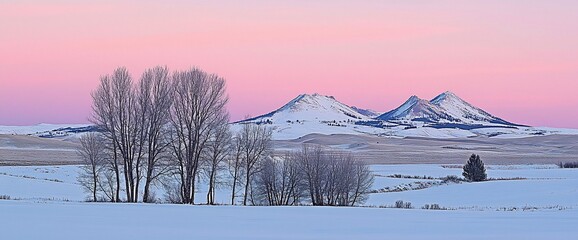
column 541, row 204
column 29, row 220
column 533, row 187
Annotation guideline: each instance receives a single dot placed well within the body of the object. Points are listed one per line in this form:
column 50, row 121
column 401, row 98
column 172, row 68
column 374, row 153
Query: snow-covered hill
column 446, row 108
column 419, row 110
column 312, row 113
column 464, row 112
column 445, row 116
column 311, row 108
column 48, row 130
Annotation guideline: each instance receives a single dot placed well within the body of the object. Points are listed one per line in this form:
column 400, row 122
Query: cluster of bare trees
column 164, row 124
column 325, row 178
column 171, row 130
column 251, row 147
column 133, row 120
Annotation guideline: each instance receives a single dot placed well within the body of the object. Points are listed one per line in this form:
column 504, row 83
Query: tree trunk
column 95, row 182
column 246, row 189
column 211, row 192
column 117, row 175
column 235, row 176
column 148, row 180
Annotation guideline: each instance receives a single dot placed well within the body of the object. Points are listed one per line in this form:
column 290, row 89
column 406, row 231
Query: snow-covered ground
column 45, row 183
column 30, row 220
column 539, row 186
column 543, row 205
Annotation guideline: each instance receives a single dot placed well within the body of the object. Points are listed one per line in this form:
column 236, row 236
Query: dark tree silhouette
column 474, row 170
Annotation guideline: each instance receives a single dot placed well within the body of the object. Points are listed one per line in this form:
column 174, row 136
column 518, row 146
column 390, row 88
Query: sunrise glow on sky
column 517, row 60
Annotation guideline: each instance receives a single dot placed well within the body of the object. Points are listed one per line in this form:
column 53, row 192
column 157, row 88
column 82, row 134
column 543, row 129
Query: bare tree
column 279, row 182
column 333, row 178
column 362, row 185
column 104, row 107
column 219, row 148
column 154, row 101
column 115, row 113
column 91, row 151
column 254, row 142
column 199, row 101
column 108, row 183
column 235, row 164
column 313, row 164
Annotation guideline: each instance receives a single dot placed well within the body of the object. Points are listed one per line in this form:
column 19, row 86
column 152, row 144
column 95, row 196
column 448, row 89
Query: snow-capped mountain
column 445, row 116
column 443, row 109
column 311, row 108
column 464, row 112
column 312, row 113
column 417, row 109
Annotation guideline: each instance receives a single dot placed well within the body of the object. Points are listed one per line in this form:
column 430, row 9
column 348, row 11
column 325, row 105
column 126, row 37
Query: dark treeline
column 171, row 130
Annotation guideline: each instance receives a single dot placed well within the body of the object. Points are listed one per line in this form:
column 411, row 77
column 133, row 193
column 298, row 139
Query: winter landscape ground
column 530, row 198
column 542, row 204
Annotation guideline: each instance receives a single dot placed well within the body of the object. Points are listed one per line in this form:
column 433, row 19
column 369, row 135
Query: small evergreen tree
column 474, row 170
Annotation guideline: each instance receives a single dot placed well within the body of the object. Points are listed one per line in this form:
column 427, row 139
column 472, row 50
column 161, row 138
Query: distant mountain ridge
column 444, row 108
column 445, row 116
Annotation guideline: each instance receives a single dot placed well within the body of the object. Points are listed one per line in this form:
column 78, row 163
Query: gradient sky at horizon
column 515, row 59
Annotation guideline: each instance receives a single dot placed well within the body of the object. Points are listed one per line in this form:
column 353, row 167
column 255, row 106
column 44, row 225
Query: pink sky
column 515, row 59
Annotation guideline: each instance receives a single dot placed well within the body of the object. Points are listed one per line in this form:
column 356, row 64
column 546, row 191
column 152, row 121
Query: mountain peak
column 455, row 106
column 444, row 108
column 445, row 96
column 311, row 107
column 413, row 100
column 414, row 108
column 313, row 96
column 310, row 99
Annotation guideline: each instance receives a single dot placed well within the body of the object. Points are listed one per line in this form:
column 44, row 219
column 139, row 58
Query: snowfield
column 29, row 220
column 55, row 183
column 543, row 205
column 541, row 187
column 537, row 186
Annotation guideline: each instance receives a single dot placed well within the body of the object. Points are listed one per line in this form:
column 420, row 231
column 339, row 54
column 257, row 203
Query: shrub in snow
column 568, row 165
column 451, row 178
column 474, row 170
column 402, row 204
column 434, row 207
